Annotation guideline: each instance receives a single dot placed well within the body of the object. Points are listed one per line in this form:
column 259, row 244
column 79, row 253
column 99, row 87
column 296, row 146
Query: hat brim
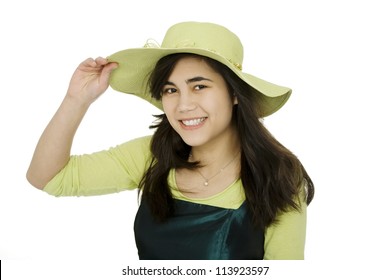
column 136, row 65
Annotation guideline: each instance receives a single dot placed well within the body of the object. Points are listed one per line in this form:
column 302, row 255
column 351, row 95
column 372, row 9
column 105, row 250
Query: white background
column 333, row 54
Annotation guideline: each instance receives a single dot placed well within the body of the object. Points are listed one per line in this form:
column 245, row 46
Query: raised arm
column 89, row 81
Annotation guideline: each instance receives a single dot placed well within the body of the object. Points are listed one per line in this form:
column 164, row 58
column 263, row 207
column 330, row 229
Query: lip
column 193, row 126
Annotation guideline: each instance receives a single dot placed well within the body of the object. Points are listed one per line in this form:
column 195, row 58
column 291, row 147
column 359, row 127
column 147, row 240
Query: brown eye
column 199, row 87
column 167, row 91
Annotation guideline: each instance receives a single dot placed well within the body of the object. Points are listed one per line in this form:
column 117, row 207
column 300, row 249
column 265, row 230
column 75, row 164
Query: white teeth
column 193, row 122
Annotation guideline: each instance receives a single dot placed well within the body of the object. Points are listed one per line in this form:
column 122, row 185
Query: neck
column 214, row 156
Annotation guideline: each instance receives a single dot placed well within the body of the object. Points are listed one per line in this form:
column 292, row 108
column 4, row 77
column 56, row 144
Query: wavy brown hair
column 272, row 176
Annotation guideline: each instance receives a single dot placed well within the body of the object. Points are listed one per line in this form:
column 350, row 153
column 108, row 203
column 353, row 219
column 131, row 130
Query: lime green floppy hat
column 201, row 38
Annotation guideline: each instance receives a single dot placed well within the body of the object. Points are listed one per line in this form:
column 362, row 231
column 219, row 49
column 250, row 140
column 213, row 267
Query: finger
column 101, row 61
column 88, row 63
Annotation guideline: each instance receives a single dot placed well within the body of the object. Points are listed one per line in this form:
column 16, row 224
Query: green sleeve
column 113, row 170
column 285, row 240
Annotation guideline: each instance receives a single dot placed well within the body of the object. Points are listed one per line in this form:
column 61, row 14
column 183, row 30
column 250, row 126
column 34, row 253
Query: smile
column 193, row 122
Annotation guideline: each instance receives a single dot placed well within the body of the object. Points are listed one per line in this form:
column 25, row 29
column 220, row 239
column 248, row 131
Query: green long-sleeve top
column 122, row 168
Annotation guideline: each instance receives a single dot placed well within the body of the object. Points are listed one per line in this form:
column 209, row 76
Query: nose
column 186, row 103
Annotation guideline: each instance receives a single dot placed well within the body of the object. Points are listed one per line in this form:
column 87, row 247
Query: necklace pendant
column 206, row 183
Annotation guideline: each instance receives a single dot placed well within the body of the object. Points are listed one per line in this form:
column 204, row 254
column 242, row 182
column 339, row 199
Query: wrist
column 75, row 106
column 77, row 102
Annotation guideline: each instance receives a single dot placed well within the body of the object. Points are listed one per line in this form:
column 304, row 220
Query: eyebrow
column 197, row 79
column 192, row 80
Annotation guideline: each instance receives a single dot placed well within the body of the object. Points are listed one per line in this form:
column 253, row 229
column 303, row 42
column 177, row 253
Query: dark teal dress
column 198, row 232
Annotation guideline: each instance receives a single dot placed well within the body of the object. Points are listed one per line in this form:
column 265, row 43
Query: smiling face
column 197, row 103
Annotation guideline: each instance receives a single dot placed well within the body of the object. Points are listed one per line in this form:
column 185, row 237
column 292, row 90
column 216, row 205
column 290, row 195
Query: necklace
column 207, row 180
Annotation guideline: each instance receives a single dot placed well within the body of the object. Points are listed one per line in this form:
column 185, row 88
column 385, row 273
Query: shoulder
column 139, row 145
column 144, row 140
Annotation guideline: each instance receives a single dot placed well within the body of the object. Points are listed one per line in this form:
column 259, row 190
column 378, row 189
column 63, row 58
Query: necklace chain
column 207, row 180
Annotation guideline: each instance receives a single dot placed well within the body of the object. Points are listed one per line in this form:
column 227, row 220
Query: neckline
column 207, row 205
column 192, row 199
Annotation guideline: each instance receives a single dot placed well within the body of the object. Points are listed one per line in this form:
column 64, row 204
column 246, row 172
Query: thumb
column 106, row 72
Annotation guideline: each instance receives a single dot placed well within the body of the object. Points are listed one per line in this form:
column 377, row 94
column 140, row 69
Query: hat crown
column 207, row 36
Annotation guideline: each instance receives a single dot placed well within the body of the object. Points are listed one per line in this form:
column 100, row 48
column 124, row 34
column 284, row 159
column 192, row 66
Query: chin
column 194, row 141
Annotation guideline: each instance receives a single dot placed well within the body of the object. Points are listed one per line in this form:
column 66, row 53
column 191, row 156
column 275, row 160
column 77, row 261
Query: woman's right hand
column 91, row 79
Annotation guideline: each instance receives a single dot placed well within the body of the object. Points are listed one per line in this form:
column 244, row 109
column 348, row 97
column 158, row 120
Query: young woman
column 214, row 183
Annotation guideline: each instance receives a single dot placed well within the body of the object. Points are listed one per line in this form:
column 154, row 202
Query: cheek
column 167, row 106
column 223, row 107
column 169, row 111
column 227, row 113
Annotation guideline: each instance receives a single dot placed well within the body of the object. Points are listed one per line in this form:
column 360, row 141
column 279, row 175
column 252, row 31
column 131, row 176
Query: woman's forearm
column 53, row 149
column 88, row 82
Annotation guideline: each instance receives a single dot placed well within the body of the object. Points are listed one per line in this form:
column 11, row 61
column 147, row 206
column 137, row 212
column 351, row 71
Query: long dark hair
column 273, row 178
